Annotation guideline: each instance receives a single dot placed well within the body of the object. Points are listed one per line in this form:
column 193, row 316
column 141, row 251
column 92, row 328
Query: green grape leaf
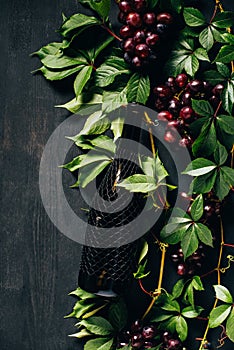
column 193, row 17
column 99, row 344
column 213, row 77
column 139, row 183
column 189, row 242
column 191, row 312
column 204, row 234
column 181, row 328
column 50, row 49
column 173, row 233
column 178, row 288
column 91, row 171
column 82, row 294
column 201, row 54
column 113, row 100
column 118, row 314
column 83, row 102
column 227, row 97
column 117, row 127
column 223, row 19
column 59, row 75
column 225, row 54
column 77, row 21
column 218, row 315
column 223, row 70
column 204, row 183
column 224, row 181
column 63, row 62
column 197, row 208
column 97, row 325
column 228, row 37
column 203, row 108
column 206, row 142
column 226, row 123
column 222, row 293
column 199, row 166
column 138, row 88
column 191, row 64
column 220, row 154
column 81, row 79
column 144, row 251
column 230, row 325
column 109, row 70
column 171, row 305
column 206, row 38
column 82, row 334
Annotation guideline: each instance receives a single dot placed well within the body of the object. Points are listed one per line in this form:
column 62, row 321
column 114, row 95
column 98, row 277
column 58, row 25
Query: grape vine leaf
column 218, row 315
column 109, row 70
column 197, row 208
column 76, row 21
column 223, row 19
column 138, row 88
column 99, row 344
column 230, row 325
column 193, row 17
column 81, row 79
column 117, row 314
column 225, row 54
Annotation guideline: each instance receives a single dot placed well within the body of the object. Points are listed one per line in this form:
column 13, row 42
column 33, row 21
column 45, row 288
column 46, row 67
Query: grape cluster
column 173, row 101
column 147, row 337
column 190, row 266
column 142, row 31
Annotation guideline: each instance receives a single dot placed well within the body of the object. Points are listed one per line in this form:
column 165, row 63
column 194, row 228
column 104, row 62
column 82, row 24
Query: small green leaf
column 197, row 208
column 160, row 171
column 144, row 251
column 113, row 100
column 172, row 305
column 199, row 166
column 204, row 183
column 225, row 54
column 223, row 19
column 228, row 37
column 203, row 108
column 97, row 325
column 91, row 171
column 174, row 233
column 141, row 271
column 59, row 75
column 218, row 315
column 50, row 49
column 82, row 294
column 118, row 314
column 230, row 326
column 77, row 21
column 148, row 166
column 193, row 17
column 213, row 77
column 189, row 243
column 84, row 101
column 226, row 123
column 82, row 334
column 99, row 344
column 222, row 293
column 227, row 97
column 178, row 288
column 220, row 154
column 191, row 64
column 139, row 183
column 201, row 54
column 223, row 70
column 152, row 3
column 117, row 127
column 181, row 328
column 206, row 38
column 224, row 181
column 138, row 88
column 102, row 7
column 204, row 234
column 81, row 79
column 190, row 312
column 109, row 70
column 206, row 142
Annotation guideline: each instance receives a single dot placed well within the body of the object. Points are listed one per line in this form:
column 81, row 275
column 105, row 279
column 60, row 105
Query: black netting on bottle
column 119, row 208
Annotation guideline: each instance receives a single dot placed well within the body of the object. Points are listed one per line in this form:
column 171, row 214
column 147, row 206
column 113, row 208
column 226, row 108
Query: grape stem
column 218, row 279
column 158, row 291
column 110, row 32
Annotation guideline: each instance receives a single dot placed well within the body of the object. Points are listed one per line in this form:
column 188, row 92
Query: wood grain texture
column 38, row 265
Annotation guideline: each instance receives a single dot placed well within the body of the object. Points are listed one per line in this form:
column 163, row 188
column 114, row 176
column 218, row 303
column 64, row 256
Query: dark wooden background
column 38, row 265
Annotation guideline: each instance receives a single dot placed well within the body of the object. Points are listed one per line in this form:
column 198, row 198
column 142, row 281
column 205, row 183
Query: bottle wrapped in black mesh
column 106, row 271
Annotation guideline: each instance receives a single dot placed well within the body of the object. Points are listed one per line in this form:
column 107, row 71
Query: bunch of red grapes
column 142, row 31
column 173, row 101
column 143, row 337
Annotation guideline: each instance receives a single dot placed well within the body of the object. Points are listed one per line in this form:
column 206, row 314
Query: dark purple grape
column 186, row 99
column 139, row 5
column 214, row 100
column 142, row 51
column 152, row 40
column 161, row 28
column 149, row 332
column 125, row 6
column 174, row 344
column 166, row 337
column 217, row 90
column 137, row 62
column 126, row 31
column 162, row 92
column 134, row 19
column 149, row 18
column 164, row 18
column 139, row 36
column 195, row 86
column 129, row 45
column 186, row 141
column 186, row 113
column 170, row 136
column 164, row 115
column 136, row 326
column 174, row 106
column 181, row 80
column 137, row 341
column 182, row 269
